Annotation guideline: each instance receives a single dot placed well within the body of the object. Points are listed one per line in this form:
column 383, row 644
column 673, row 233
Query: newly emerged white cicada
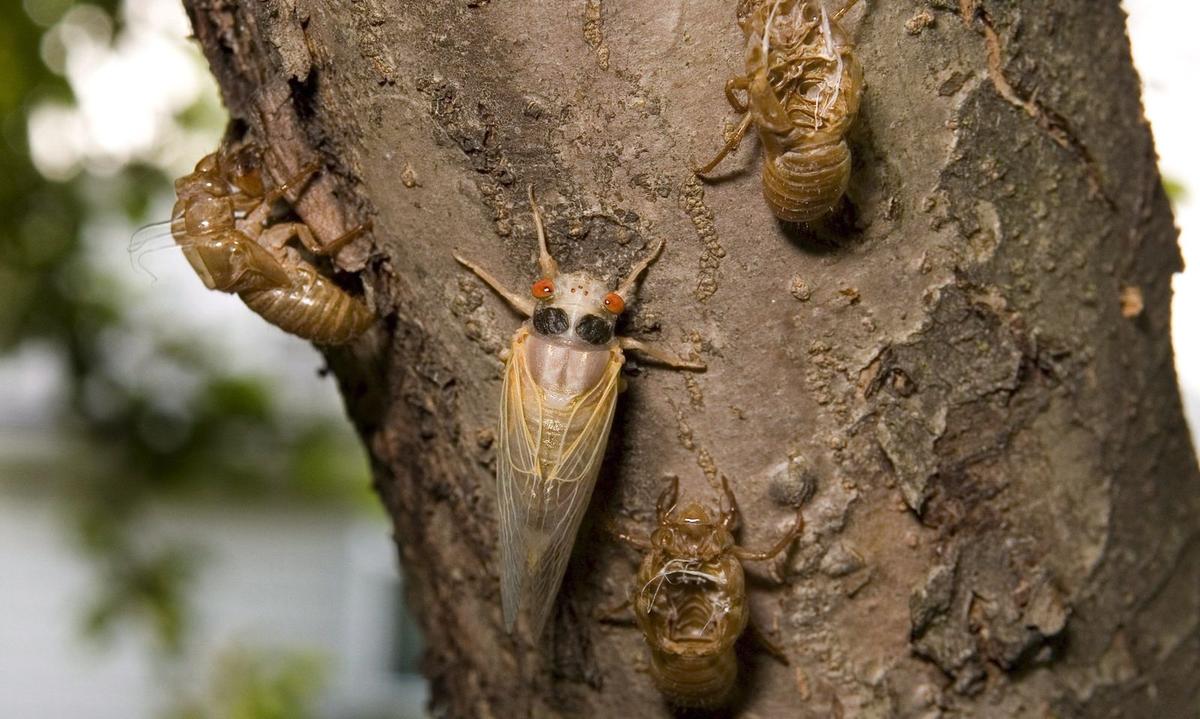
column 561, row 381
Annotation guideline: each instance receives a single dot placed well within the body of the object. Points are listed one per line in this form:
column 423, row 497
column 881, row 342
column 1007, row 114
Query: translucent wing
column 549, row 457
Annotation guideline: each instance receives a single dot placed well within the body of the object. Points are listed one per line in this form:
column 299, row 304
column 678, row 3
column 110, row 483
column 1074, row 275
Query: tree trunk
column 974, row 367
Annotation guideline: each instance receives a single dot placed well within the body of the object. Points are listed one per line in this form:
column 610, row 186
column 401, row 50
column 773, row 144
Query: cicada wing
column 549, row 458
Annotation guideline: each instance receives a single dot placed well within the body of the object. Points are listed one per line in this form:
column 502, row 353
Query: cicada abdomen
column 561, row 381
column 221, row 220
column 802, row 86
column 311, row 306
column 690, row 598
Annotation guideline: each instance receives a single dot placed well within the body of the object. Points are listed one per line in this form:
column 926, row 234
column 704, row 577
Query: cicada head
column 244, row 170
column 577, row 308
column 239, row 165
column 574, row 307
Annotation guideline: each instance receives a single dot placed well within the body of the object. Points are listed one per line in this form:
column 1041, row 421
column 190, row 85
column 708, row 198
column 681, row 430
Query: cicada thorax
column 804, row 89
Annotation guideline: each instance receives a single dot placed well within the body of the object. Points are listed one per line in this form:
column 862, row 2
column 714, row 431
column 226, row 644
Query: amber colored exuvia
column 222, row 222
column 802, row 89
column 690, row 598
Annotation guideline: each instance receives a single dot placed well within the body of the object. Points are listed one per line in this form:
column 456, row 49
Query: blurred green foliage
column 1175, row 189
column 257, row 685
column 132, row 443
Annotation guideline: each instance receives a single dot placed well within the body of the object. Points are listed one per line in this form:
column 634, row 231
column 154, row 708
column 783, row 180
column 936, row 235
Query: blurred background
column 186, row 525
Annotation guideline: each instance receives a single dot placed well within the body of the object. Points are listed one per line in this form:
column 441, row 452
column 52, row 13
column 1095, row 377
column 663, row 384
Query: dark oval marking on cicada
column 550, row 321
column 594, row 330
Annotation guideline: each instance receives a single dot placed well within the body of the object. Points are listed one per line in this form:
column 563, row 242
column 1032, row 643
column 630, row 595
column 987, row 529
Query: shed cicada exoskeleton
column 561, row 380
column 222, row 221
column 689, row 598
column 802, row 89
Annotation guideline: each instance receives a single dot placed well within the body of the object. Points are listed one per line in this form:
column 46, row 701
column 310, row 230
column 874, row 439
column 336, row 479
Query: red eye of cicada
column 614, row 303
column 542, row 289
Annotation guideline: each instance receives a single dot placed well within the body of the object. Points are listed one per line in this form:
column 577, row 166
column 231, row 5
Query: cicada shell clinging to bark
column 802, row 89
column 689, row 598
column 222, row 222
column 561, row 380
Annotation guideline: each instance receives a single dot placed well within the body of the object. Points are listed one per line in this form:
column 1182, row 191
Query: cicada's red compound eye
column 614, row 303
column 542, row 289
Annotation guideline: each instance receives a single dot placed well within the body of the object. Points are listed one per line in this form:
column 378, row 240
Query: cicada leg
column 730, row 146
column 658, row 354
column 729, row 506
column 762, row 638
column 299, row 180
column 279, row 235
column 519, row 302
column 615, row 615
column 611, row 528
column 783, row 543
column 841, row 12
column 731, row 88
column 667, row 500
column 258, row 217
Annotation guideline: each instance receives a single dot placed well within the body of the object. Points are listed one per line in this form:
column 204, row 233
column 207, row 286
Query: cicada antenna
column 625, row 289
column 546, row 262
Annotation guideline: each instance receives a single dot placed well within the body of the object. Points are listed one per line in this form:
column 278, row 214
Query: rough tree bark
column 975, row 369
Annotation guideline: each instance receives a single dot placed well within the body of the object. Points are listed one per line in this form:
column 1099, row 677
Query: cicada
column 222, row 222
column 561, row 379
column 802, row 89
column 689, row 597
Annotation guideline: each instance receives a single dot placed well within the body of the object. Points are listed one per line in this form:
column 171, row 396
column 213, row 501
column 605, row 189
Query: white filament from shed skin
column 673, row 567
column 827, row 33
column 830, row 54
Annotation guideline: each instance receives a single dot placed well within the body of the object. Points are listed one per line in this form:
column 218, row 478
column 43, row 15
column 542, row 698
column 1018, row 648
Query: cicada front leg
column 841, row 12
column 763, row 639
column 660, row 355
column 729, row 515
column 784, row 542
column 276, row 237
column 260, row 216
column 738, row 135
column 732, row 86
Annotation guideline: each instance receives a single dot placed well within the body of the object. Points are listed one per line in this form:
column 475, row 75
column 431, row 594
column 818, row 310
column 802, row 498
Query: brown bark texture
column 971, row 364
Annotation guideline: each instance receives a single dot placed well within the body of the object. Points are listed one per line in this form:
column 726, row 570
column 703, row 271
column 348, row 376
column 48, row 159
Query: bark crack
column 976, row 17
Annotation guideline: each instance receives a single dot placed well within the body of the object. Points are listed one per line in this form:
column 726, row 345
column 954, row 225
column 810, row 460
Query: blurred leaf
column 146, row 589
column 1175, row 189
column 259, row 685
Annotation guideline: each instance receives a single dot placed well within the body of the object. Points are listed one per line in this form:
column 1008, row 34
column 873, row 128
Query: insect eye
column 614, row 303
column 542, row 289
column 549, row 321
column 594, row 329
